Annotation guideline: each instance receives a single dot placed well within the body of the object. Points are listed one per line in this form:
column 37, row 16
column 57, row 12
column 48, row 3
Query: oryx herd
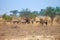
column 41, row 20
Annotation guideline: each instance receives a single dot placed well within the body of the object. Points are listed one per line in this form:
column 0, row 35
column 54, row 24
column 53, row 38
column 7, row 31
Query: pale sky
column 8, row 5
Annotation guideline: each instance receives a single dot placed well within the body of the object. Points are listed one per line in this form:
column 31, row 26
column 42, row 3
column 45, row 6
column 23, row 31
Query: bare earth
column 29, row 32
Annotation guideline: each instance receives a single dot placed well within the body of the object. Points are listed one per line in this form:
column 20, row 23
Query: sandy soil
column 29, row 32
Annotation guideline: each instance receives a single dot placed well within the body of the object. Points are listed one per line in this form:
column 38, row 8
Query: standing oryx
column 41, row 20
column 25, row 21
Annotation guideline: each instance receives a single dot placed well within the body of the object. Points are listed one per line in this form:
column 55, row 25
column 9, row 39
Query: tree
column 25, row 13
column 57, row 10
column 14, row 12
column 42, row 12
column 34, row 14
column 50, row 11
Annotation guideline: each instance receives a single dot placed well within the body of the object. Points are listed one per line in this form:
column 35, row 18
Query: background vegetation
column 26, row 13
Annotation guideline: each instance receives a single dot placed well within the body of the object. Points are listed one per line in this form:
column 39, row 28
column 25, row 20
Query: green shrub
column 6, row 17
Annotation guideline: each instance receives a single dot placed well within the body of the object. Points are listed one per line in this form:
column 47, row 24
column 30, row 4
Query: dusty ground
column 29, row 32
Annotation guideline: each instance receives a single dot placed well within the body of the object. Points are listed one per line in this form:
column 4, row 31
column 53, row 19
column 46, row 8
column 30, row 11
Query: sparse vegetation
column 6, row 17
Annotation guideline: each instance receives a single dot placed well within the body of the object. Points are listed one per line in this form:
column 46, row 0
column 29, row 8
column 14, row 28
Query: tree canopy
column 14, row 12
column 28, row 14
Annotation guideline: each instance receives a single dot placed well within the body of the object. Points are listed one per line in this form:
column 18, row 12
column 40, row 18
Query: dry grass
column 29, row 31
